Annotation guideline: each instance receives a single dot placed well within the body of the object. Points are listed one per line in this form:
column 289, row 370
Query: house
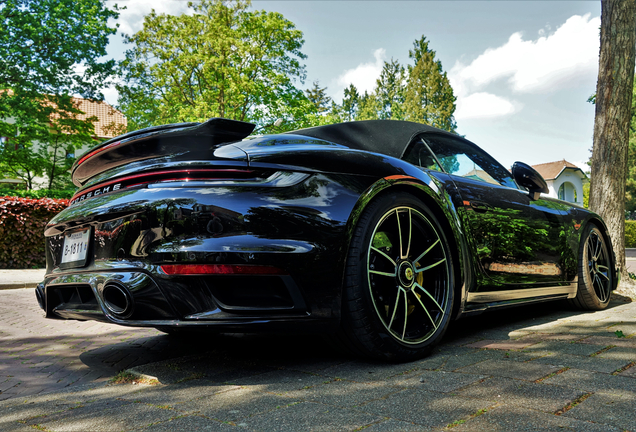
column 110, row 121
column 565, row 180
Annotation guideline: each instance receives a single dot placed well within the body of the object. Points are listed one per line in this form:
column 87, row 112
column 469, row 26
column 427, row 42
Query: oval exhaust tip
column 117, row 300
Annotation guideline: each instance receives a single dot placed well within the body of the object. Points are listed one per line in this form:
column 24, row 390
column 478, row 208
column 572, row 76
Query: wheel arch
column 598, row 222
column 443, row 210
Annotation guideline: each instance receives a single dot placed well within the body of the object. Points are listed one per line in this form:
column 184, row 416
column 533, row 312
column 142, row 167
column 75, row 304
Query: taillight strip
column 222, row 269
column 159, row 173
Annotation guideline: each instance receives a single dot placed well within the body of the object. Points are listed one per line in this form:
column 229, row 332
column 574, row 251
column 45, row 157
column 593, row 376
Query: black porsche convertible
column 378, row 232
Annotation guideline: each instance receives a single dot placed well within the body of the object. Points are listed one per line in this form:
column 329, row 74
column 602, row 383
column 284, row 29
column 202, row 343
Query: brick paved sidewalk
column 38, row 354
column 531, row 368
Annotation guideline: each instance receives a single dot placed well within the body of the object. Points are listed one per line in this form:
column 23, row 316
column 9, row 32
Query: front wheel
column 398, row 293
column 596, row 276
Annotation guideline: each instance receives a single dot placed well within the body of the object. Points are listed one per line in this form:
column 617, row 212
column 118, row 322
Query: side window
column 419, row 155
column 462, row 159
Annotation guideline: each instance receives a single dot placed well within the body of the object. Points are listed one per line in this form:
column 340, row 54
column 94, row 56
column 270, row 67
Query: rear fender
column 434, row 195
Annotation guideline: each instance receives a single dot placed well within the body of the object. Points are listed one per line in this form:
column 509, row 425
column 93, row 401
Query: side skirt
column 476, row 303
column 529, row 293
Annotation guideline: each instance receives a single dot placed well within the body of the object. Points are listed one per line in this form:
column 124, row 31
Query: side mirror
column 530, row 179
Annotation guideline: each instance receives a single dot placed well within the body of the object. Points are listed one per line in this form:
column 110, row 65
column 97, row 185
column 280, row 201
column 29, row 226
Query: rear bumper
column 139, row 298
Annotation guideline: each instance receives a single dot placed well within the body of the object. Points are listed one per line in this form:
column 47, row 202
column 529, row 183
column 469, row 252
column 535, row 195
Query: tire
column 596, row 279
column 398, row 293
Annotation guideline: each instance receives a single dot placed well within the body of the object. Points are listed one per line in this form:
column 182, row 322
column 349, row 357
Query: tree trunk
column 613, row 114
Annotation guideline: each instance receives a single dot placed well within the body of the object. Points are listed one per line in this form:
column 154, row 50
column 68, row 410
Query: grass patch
column 602, row 350
column 574, row 403
column 472, row 416
column 455, row 424
column 125, row 377
column 560, row 371
column 624, row 368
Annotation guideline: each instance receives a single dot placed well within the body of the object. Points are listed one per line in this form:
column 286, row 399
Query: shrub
column 40, row 193
column 630, row 234
column 22, row 222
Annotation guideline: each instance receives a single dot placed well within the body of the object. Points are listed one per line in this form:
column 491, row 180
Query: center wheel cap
column 406, row 274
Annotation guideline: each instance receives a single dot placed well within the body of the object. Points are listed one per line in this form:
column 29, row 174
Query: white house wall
column 574, row 178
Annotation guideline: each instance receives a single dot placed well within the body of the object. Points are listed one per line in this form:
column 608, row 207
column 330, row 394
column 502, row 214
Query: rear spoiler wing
column 157, row 141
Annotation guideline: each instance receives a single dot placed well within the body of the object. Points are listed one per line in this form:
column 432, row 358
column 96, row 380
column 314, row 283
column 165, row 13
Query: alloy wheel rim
column 408, row 275
column 598, row 266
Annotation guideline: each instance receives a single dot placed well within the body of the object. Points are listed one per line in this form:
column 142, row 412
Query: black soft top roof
column 389, row 137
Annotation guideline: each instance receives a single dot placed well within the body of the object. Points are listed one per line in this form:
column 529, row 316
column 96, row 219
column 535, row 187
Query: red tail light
column 221, row 269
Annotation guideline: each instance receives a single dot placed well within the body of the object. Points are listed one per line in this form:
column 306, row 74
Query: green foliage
column 43, row 41
column 49, row 50
column 22, row 223
column 630, row 184
column 350, row 103
column 421, row 93
column 586, row 194
column 630, row 234
column 318, row 97
column 429, row 96
column 39, row 193
column 368, row 107
column 220, row 61
column 389, row 91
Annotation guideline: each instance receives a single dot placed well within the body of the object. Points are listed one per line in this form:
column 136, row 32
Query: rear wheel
column 398, row 293
column 596, row 278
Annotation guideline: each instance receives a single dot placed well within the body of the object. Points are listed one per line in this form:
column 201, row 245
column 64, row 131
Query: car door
column 515, row 241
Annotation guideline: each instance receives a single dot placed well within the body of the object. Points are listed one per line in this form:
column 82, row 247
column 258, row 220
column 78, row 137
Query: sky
column 522, row 71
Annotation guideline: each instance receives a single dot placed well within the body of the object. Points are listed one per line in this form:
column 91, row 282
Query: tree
column 421, row 93
column 220, row 61
column 429, row 96
column 318, row 97
column 368, row 107
column 49, row 50
column 612, row 119
column 47, row 137
column 389, row 91
column 630, row 184
column 350, row 103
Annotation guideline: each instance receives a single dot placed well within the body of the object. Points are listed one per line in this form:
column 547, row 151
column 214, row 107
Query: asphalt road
column 530, row 368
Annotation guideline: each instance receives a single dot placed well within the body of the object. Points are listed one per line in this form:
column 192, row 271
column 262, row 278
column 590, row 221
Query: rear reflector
column 224, row 269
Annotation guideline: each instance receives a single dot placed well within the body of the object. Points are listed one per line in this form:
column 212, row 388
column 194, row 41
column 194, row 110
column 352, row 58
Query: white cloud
column 365, row 74
column 532, row 66
column 551, row 62
column 131, row 19
column 484, row 105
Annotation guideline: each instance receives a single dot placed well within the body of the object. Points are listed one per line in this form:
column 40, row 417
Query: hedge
column 39, row 193
column 630, row 234
column 22, row 222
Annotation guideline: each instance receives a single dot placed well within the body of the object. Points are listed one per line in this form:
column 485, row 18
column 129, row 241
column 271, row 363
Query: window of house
column 567, row 192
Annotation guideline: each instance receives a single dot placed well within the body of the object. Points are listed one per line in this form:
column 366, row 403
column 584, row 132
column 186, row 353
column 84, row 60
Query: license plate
column 75, row 248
